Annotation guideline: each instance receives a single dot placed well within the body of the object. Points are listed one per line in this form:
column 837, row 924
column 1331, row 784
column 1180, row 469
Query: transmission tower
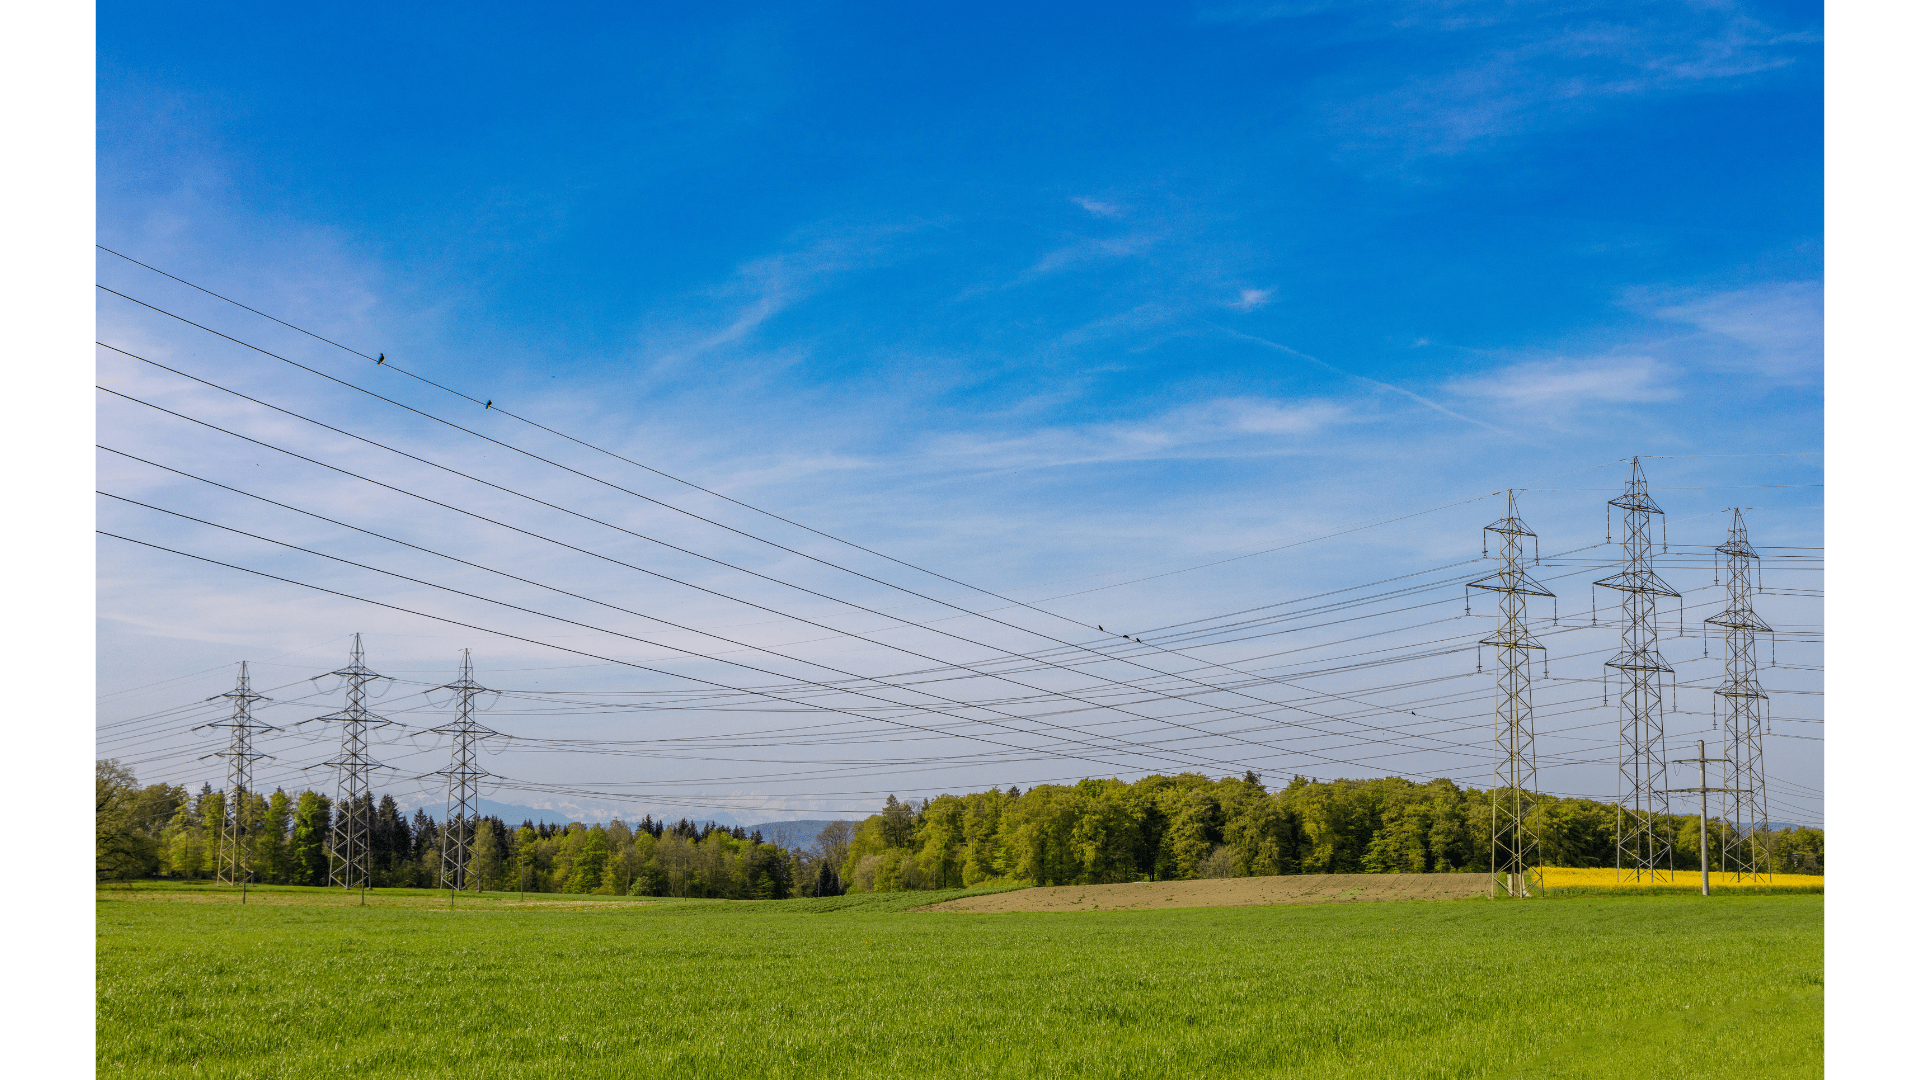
column 349, row 863
column 1744, row 808
column 231, row 864
column 1515, row 846
column 1639, row 847
column 463, row 777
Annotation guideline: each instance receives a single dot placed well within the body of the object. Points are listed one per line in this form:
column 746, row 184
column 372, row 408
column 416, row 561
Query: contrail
column 1434, row 405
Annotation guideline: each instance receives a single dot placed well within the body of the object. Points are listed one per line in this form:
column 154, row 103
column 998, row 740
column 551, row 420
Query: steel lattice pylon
column 231, row 866
column 349, row 861
column 463, row 777
column 1745, row 802
column 1515, row 846
column 1640, row 850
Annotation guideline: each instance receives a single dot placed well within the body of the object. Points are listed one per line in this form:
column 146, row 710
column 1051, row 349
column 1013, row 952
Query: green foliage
column 851, row 987
column 588, row 851
column 272, row 861
column 211, row 809
column 485, row 863
column 119, row 852
column 307, row 854
column 134, row 827
column 1091, row 832
column 1190, row 826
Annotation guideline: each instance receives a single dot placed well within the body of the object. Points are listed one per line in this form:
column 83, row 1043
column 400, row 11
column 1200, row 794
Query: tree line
column 1092, row 832
column 164, row 831
column 1191, row 826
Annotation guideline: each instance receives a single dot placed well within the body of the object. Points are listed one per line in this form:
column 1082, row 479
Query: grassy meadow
column 863, row 986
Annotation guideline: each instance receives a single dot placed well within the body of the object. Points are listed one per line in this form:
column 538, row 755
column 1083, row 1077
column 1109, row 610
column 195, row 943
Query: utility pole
column 463, row 779
column 1706, row 888
column 351, row 858
column 1746, row 805
column 1514, row 844
column 231, row 864
column 1638, row 848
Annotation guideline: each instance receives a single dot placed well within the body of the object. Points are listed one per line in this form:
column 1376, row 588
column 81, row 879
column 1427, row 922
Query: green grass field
column 1668, row 986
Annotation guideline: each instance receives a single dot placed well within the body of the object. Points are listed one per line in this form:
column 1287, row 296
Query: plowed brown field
column 1228, row 892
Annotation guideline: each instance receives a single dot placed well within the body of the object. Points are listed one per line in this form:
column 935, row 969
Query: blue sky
column 1025, row 297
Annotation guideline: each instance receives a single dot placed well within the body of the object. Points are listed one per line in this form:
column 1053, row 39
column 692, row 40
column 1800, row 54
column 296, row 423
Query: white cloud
column 1776, row 331
column 1562, row 384
column 1222, row 427
column 1086, row 251
column 1098, row 208
column 1251, row 298
column 1255, row 416
column 764, row 287
column 1495, row 68
column 1773, row 333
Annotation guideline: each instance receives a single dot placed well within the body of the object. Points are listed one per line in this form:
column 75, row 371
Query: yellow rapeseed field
column 1599, row 877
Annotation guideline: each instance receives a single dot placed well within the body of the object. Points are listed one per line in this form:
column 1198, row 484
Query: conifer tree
column 827, row 883
column 388, row 841
column 896, row 823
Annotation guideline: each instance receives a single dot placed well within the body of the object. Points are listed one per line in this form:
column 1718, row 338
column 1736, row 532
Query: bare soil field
column 1228, row 892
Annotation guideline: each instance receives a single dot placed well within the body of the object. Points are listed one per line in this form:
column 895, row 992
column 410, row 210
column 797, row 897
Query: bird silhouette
column 489, row 403
column 382, row 360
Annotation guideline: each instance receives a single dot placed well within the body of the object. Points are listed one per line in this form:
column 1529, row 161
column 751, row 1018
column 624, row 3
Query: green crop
column 861, row 987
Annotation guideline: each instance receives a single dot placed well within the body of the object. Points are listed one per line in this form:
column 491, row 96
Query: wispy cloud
column 1769, row 333
column 1774, row 331
column 1092, row 250
column 1221, row 427
column 1525, row 67
column 763, row 288
column 1098, row 208
column 1376, row 383
column 1251, row 298
column 1558, row 385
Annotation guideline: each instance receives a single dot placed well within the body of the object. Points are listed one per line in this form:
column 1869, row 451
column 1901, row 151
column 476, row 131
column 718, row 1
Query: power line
column 528, row 640
column 1514, row 844
column 1744, row 798
column 489, row 405
column 232, row 864
column 350, row 864
column 675, row 547
column 1639, row 848
column 463, row 778
column 731, row 566
column 862, row 608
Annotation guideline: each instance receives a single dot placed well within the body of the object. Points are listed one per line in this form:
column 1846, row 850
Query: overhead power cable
column 1103, row 653
column 1125, row 745
column 664, row 505
column 687, row 652
column 611, row 660
column 1155, row 671
column 638, row 535
column 718, row 562
column 489, row 404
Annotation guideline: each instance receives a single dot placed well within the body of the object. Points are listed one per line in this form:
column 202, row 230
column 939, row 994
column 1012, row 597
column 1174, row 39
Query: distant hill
column 513, row 815
column 510, row 813
column 794, row 834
